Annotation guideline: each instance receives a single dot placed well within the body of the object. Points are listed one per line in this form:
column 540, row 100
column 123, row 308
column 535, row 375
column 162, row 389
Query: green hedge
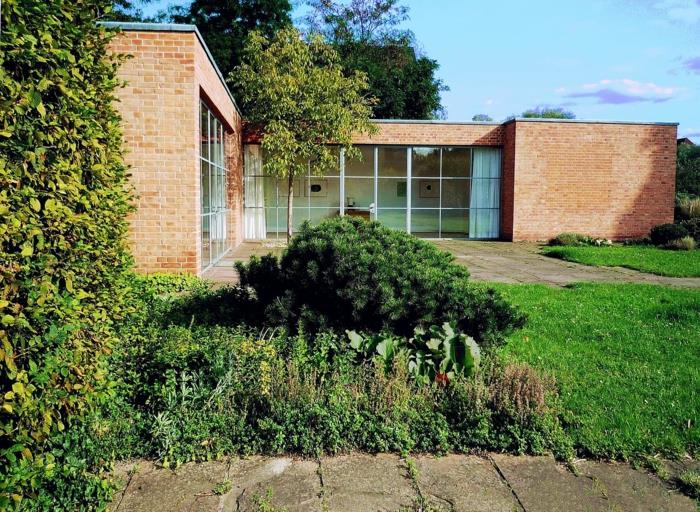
column 63, row 256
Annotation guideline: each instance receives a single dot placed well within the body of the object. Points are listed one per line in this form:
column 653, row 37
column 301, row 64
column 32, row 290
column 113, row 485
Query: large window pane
column 425, row 193
column 392, row 162
column 395, row 219
column 392, row 192
column 206, row 246
column 323, row 192
column 455, row 193
column 455, row 223
column 204, row 183
column 317, row 215
column 425, row 223
column 456, row 162
column 425, row 162
column 359, row 193
column 363, row 166
column 204, row 130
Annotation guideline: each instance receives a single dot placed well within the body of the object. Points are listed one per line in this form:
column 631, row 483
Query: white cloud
column 633, row 87
column 685, row 11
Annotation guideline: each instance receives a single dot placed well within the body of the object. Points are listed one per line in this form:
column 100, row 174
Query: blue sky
column 636, row 60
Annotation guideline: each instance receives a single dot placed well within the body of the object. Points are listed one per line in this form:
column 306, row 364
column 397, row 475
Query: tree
column 127, row 10
column 368, row 37
column 299, row 99
column 63, row 250
column 688, row 170
column 548, row 113
column 225, row 24
column 482, row 118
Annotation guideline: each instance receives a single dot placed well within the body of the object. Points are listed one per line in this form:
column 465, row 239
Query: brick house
column 201, row 191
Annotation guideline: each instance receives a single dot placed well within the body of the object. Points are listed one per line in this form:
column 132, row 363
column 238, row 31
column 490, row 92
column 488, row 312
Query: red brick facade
column 167, row 75
column 613, row 180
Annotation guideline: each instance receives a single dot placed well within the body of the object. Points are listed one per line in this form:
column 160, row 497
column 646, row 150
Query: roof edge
column 173, row 27
column 516, row 119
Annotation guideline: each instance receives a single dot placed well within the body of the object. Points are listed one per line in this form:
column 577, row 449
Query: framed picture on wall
column 429, row 189
column 318, row 187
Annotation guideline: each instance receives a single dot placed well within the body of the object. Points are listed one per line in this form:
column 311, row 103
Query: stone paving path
column 364, row 483
column 500, row 262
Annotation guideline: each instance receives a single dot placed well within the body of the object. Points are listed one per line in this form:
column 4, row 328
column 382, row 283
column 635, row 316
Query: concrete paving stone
column 364, row 483
column 285, row 483
column 463, row 483
column 542, row 485
column 190, row 488
column 633, row 490
column 503, row 262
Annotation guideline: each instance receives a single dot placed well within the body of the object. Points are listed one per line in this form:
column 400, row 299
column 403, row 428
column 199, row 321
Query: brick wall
column 606, row 180
column 439, row 134
column 166, row 76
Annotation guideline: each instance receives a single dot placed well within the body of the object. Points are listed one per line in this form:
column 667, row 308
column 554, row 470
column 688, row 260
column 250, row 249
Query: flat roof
column 518, row 119
column 173, row 27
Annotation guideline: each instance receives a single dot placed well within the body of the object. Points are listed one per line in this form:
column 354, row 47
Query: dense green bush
column 63, row 257
column 351, row 274
column 665, row 233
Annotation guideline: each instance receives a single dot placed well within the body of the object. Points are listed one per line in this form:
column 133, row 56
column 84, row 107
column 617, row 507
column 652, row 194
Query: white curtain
column 484, row 207
column 254, row 217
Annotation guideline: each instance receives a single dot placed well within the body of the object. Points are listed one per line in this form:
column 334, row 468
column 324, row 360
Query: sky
column 627, row 60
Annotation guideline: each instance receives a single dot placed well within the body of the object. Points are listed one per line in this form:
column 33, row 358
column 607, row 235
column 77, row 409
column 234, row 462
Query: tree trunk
column 290, row 201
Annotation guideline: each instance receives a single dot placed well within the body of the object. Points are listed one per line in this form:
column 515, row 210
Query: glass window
column 425, row 223
column 391, row 193
column 454, row 223
column 213, row 193
column 425, row 193
column 204, row 131
column 456, row 162
column 455, row 193
column 425, row 162
column 363, row 166
column 359, row 193
column 392, row 162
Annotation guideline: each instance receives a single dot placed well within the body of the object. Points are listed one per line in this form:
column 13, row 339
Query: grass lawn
column 626, row 357
column 645, row 259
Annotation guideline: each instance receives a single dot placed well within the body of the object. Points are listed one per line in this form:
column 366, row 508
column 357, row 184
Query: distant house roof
column 685, row 140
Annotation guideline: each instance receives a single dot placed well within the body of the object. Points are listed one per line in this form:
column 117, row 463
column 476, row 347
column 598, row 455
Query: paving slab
column 543, row 485
column 189, row 488
column 359, row 483
column 463, row 483
column 633, row 490
column 285, row 483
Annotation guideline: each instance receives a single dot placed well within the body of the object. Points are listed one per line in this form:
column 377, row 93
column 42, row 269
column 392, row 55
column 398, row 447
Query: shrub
column 665, row 233
column 688, row 208
column 693, row 227
column 687, row 243
column 349, row 274
column 575, row 239
column 63, row 252
column 569, row 239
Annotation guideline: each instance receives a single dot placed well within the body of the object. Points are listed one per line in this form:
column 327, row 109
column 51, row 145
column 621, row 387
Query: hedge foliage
column 63, row 257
